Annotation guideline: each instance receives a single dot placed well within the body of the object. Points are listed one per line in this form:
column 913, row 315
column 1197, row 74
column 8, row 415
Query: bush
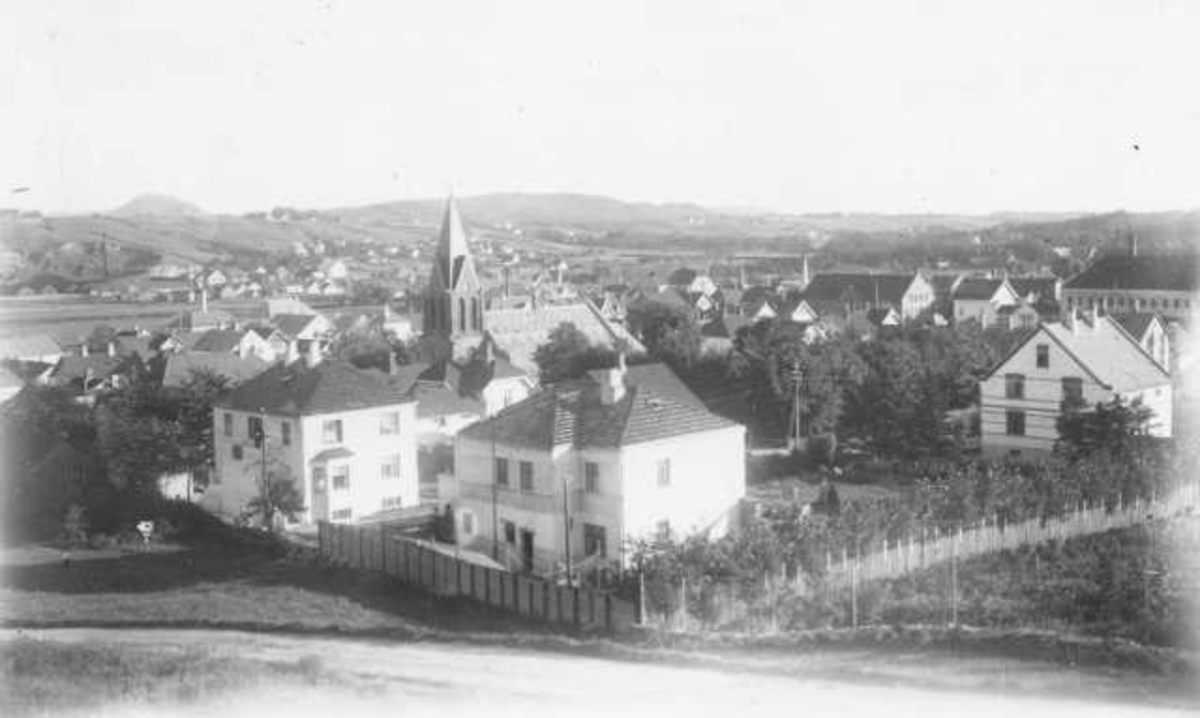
column 75, row 525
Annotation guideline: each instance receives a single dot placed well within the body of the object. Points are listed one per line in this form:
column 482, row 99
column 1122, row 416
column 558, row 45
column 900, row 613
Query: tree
column 569, row 354
column 1113, row 429
column 277, row 493
column 365, row 348
column 884, row 406
column 669, row 332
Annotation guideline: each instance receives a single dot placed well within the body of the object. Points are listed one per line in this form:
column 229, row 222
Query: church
column 459, row 328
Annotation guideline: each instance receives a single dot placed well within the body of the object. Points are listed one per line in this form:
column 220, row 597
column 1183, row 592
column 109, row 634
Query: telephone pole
column 567, row 528
column 797, row 376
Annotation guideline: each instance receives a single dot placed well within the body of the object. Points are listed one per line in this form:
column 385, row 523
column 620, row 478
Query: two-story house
column 581, row 467
column 1072, row 365
column 843, row 293
column 345, row 436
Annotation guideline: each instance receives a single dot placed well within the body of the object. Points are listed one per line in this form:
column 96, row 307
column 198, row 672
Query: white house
column 345, row 436
column 1079, row 362
column 625, row 453
column 980, row 299
column 1150, row 331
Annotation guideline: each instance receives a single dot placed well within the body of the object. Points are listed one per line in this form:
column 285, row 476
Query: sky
column 891, row 106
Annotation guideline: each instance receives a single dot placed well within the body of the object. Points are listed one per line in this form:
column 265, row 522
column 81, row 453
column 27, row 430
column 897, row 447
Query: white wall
column 234, row 483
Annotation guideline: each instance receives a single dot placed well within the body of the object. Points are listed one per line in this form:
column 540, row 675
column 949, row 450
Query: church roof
column 519, row 332
column 453, row 267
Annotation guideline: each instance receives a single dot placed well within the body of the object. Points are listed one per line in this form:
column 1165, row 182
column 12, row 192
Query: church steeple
column 454, row 297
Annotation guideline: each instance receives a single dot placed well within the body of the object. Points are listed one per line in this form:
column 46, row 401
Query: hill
column 157, row 205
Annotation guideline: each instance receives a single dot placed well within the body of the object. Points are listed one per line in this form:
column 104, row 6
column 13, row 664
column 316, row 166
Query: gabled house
column 1068, row 366
column 302, row 326
column 241, row 343
column 1150, row 332
column 624, row 453
column 345, row 437
column 91, row 374
column 1131, row 283
column 979, row 299
column 843, row 293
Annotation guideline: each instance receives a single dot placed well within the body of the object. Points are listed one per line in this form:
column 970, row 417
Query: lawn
column 211, row 585
column 43, row 677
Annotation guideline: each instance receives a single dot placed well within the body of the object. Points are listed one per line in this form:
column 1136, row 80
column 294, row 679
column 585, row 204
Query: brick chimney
column 612, row 386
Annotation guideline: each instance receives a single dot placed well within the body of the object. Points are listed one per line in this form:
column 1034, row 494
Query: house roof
column 71, row 366
column 978, row 288
column 841, row 287
column 1104, row 349
column 1136, row 324
column 191, row 320
column 219, row 340
column 287, row 305
column 291, row 325
column 572, row 413
column 1120, row 271
column 28, row 345
column 1041, row 286
column 141, row 346
column 179, row 367
column 9, row 380
column 331, row 386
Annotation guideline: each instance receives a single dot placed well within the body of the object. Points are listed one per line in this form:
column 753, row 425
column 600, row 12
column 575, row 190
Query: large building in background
column 1131, row 283
column 1067, row 366
column 844, row 294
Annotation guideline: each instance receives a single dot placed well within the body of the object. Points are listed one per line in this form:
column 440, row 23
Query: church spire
column 452, row 249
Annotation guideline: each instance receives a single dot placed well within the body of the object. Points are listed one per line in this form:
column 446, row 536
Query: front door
column 320, row 494
column 527, row 549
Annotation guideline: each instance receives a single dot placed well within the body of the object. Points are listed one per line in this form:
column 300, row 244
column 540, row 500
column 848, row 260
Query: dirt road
column 461, row 679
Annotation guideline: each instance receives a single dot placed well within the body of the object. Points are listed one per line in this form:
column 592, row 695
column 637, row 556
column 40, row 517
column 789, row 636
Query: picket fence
column 417, row 565
column 901, row 557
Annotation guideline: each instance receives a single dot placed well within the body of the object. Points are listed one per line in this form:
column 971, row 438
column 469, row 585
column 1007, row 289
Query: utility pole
column 495, row 518
column 567, row 527
column 954, row 579
column 261, row 438
column 797, row 377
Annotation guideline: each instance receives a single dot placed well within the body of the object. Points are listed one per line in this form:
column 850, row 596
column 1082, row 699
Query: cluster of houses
column 539, row 478
column 177, row 282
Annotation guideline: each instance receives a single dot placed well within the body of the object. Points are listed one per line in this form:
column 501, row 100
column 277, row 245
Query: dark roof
column 331, row 386
column 652, row 408
column 141, row 346
column 218, row 340
column 437, row 399
column 1136, row 324
column 179, row 367
column 71, row 366
column 1119, row 271
column 839, row 287
column 292, row 324
column 977, row 288
column 1041, row 286
column 191, row 320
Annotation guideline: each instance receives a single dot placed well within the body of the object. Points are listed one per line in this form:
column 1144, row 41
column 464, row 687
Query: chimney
column 204, row 300
column 1132, row 244
column 804, row 276
column 83, row 349
column 612, row 386
column 314, row 353
column 507, row 270
column 293, row 352
column 1072, row 320
column 111, row 349
column 1094, row 316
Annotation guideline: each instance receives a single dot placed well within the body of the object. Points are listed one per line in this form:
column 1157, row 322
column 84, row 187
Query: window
column 228, row 424
column 389, row 423
column 391, row 502
column 594, row 543
column 342, row 515
column 526, row 468
column 341, row 478
column 390, row 468
column 1015, row 423
column 591, row 477
column 1014, row 386
column 468, row 523
column 664, row 473
column 1043, row 356
column 319, row 479
column 510, row 533
column 1072, row 392
column 286, row 430
column 237, row 452
column 331, row 431
column 254, row 430
column 501, row 471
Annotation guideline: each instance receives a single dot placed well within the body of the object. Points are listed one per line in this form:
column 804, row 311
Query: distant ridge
column 157, row 205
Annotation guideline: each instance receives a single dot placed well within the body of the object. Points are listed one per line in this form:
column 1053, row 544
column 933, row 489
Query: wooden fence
column 418, row 565
column 898, row 558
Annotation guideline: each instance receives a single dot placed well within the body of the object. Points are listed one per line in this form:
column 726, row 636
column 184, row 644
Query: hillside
column 157, row 205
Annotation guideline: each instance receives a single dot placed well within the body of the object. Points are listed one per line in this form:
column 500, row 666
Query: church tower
column 453, row 302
